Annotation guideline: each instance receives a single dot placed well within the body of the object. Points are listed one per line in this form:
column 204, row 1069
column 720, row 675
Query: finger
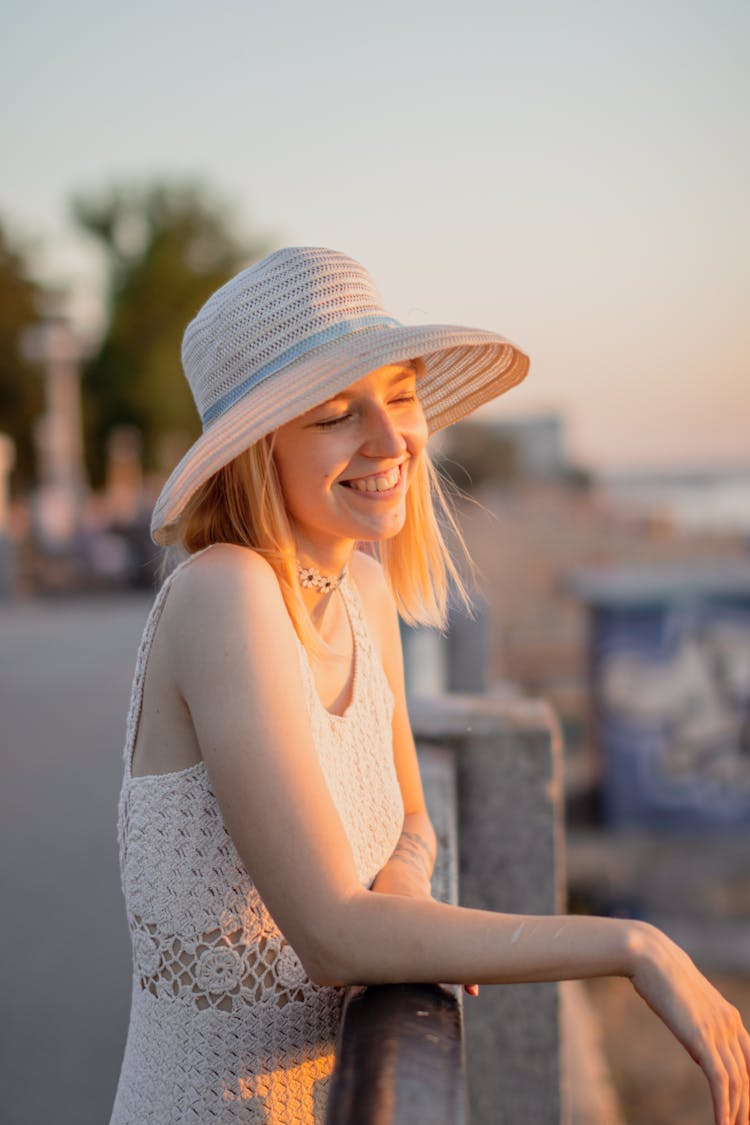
column 472, row 989
column 743, row 1085
column 735, row 1081
column 743, row 1116
column 718, row 1081
column 736, row 1063
column 744, row 1041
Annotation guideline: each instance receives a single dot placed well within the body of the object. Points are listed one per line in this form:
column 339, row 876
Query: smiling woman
column 345, row 467
column 274, row 840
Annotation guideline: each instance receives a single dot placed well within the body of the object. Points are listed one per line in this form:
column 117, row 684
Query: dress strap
column 144, row 648
column 371, row 674
column 364, row 656
column 356, row 612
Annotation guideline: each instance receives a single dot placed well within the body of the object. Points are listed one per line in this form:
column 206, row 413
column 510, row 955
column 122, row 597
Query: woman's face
column 345, row 466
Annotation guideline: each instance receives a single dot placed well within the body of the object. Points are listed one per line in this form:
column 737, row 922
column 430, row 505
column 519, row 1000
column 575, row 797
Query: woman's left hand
column 398, row 879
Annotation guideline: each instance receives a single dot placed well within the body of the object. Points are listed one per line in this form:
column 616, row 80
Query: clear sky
column 574, row 175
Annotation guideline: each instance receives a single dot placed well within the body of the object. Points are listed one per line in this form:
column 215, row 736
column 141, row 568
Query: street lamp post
column 58, row 500
column 7, row 461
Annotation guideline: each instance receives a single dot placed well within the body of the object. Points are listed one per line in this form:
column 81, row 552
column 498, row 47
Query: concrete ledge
column 509, row 761
column 450, row 717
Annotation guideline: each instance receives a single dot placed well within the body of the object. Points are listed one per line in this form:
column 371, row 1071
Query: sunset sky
column 573, row 175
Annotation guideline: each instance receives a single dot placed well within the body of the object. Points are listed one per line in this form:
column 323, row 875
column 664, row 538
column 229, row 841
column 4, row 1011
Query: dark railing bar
column 400, row 1055
column 400, row 1058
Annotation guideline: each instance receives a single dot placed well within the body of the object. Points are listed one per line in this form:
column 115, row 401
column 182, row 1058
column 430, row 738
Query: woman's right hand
column 709, row 1028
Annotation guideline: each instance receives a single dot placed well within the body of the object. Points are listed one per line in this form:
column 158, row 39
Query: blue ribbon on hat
column 334, row 332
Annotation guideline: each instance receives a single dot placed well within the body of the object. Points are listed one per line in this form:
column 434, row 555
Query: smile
column 378, row 482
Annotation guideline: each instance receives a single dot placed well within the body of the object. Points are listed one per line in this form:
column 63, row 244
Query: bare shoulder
column 213, row 589
column 222, row 562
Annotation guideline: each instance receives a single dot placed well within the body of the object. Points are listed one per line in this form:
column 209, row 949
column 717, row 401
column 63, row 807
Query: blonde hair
column 243, row 503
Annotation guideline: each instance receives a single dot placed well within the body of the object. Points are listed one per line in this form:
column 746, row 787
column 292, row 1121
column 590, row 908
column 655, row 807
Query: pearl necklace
column 311, row 578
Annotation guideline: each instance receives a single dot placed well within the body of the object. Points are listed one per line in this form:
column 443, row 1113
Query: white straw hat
column 293, row 330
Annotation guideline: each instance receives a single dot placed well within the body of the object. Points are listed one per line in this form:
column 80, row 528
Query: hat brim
column 464, row 368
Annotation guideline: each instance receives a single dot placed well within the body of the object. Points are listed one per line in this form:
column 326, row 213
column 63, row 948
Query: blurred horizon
column 574, row 177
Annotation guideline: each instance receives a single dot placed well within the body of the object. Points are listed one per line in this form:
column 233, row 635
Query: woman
column 275, row 845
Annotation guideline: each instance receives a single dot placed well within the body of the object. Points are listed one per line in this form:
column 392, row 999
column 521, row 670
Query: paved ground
column 65, row 671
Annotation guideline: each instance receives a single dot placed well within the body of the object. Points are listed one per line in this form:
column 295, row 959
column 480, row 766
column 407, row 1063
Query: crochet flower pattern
column 218, row 970
column 288, row 968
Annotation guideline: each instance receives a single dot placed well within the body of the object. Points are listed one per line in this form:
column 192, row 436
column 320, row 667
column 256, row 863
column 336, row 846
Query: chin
column 373, row 535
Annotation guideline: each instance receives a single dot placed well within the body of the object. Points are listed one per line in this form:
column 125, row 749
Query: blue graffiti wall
column 671, row 691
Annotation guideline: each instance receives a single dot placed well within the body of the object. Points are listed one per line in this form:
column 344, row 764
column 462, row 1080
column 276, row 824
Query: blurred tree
column 21, row 390
column 168, row 247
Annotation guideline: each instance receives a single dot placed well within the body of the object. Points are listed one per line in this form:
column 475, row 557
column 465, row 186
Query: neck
column 328, row 558
column 310, row 578
column 320, row 575
column 330, row 563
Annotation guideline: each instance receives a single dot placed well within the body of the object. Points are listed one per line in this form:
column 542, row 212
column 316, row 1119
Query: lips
column 378, row 482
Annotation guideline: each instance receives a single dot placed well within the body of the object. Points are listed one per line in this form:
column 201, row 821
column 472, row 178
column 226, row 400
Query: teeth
column 379, row 483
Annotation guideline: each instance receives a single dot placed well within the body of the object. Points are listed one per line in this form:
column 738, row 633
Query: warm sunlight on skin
column 346, row 465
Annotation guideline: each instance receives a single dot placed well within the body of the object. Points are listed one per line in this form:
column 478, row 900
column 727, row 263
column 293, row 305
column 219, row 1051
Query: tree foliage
column 167, row 247
column 21, row 390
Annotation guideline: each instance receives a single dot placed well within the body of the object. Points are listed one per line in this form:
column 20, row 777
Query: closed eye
column 326, row 422
column 405, row 398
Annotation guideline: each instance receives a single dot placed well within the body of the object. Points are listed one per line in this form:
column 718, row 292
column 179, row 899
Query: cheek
column 294, row 482
column 304, row 481
column 416, row 441
column 417, row 436
column 293, row 457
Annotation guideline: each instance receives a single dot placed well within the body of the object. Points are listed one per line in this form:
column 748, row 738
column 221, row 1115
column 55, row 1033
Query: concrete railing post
column 468, row 649
column 457, row 661
column 511, row 860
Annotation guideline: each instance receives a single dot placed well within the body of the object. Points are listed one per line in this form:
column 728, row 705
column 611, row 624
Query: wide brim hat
column 293, row 330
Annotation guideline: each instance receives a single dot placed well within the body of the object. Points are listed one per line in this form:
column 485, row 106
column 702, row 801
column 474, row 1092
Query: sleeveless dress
column 225, row 1026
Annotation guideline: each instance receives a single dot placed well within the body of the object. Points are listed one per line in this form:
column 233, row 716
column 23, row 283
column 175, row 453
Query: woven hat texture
column 294, row 329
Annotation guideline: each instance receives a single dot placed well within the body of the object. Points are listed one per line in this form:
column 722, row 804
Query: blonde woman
column 275, row 844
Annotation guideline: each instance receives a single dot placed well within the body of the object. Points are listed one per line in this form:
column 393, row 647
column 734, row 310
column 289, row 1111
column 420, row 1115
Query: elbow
column 327, row 974
column 329, row 957
column 329, row 965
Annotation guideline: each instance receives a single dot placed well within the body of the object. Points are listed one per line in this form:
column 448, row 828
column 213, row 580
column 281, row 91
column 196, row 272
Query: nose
column 383, row 438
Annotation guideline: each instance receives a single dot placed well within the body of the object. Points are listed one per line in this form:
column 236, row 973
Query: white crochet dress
column 225, row 1026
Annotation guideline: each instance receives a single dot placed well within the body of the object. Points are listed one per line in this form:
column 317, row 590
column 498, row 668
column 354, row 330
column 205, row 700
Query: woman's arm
column 236, row 661
column 409, row 869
